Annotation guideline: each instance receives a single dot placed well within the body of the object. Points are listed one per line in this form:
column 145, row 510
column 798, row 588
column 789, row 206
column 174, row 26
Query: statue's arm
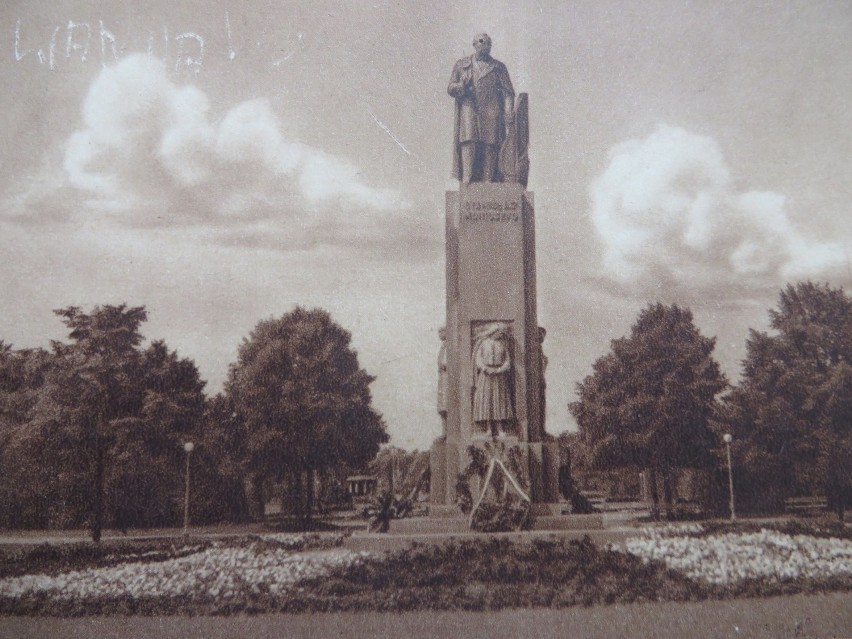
column 509, row 109
column 505, row 362
column 478, row 360
column 503, row 368
column 508, row 96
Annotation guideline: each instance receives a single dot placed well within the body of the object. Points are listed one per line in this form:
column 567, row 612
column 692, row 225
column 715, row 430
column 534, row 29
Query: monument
column 491, row 365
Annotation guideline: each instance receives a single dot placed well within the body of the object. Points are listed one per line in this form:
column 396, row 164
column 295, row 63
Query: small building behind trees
column 361, row 487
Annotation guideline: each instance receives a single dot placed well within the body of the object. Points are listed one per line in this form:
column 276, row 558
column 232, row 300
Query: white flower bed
column 296, row 542
column 218, row 572
column 672, row 530
column 732, row 558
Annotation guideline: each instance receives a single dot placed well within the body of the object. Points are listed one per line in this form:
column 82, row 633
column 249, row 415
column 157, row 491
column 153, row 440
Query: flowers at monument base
column 219, row 572
column 733, row 558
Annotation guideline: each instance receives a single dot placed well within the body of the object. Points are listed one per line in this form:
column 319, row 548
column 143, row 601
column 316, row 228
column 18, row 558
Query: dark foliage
column 791, row 415
column 384, row 508
column 569, row 491
column 92, row 430
column 648, row 402
column 302, row 403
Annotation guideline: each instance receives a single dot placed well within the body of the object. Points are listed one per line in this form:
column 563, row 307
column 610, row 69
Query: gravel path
column 794, row 616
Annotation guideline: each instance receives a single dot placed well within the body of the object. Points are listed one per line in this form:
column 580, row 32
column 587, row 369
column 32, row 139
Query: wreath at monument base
column 504, row 515
column 502, row 504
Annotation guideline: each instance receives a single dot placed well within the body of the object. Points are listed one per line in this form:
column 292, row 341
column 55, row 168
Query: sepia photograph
column 326, row 318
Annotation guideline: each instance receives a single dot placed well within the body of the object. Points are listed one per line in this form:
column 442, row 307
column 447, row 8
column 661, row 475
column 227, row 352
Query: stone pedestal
column 444, row 466
column 491, row 280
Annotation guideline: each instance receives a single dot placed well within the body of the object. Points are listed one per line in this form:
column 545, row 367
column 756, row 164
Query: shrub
column 383, row 509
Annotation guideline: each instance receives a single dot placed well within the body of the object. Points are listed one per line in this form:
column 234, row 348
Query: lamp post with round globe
column 728, row 439
column 188, row 447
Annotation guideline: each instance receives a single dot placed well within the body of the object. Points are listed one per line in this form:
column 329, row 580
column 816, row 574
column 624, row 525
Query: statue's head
column 442, row 333
column 482, row 46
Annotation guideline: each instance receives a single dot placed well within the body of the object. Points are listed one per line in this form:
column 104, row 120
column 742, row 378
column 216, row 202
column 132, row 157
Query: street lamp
column 188, row 447
column 728, row 439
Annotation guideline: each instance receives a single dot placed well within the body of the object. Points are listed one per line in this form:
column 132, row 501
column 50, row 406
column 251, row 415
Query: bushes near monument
column 383, row 509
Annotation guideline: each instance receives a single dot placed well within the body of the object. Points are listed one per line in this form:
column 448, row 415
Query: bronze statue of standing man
column 485, row 106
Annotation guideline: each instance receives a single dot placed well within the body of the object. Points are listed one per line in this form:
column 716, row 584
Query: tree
column 792, row 411
column 648, row 402
column 402, row 473
column 22, row 373
column 109, row 420
column 303, row 401
column 145, row 477
column 26, row 490
column 91, row 392
column 218, row 466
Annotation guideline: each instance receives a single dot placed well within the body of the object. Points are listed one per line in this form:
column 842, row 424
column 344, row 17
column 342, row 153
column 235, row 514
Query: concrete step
column 569, row 522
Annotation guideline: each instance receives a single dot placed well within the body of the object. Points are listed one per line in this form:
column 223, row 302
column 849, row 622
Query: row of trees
column 91, row 430
column 659, row 402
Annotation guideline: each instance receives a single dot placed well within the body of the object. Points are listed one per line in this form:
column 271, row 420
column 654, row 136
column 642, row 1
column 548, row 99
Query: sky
column 221, row 162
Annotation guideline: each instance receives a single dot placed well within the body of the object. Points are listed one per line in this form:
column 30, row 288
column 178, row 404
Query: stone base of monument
column 442, row 520
column 539, row 459
column 440, row 511
column 569, row 522
column 548, row 510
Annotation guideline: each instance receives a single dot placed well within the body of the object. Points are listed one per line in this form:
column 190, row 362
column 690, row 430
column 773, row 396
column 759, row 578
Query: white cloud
column 150, row 153
column 668, row 213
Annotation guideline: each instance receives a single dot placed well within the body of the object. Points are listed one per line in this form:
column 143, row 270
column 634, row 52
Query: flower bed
column 215, row 572
column 212, row 577
column 311, row 573
column 493, row 573
column 53, row 559
column 734, row 558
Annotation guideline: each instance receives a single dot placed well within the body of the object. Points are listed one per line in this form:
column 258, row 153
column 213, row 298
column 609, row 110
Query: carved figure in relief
column 485, row 108
column 493, row 401
column 443, row 380
column 542, row 383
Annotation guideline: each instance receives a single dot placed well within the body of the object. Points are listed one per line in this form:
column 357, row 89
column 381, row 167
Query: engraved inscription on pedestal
column 490, row 210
